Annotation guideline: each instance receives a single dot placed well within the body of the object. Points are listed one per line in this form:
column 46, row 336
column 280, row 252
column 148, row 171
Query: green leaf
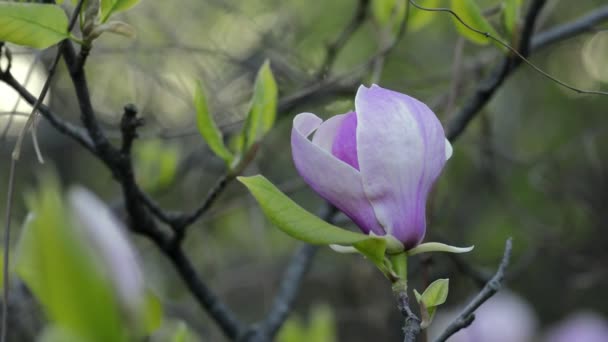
column 434, row 295
column 263, row 109
column 207, row 127
column 510, row 15
column 304, row 226
column 418, row 18
column 322, row 325
column 470, row 13
column 389, row 13
column 35, row 25
column 109, row 7
column 156, row 164
column 153, row 313
column 182, row 333
column 63, row 274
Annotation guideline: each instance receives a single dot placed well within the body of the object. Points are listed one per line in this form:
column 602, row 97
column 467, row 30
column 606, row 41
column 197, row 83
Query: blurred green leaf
column 470, row 13
column 263, row 109
column 418, row 18
column 182, row 333
column 63, row 274
column 109, row 7
column 207, row 127
column 293, row 331
column 322, row 326
column 35, row 25
column 153, row 313
column 510, row 15
column 389, row 13
column 156, row 164
column 304, row 226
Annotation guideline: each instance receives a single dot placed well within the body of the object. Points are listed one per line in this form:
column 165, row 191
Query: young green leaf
column 434, row 295
column 470, row 13
column 30, row 24
column 510, row 15
column 263, row 109
column 304, row 226
column 109, row 7
column 63, row 274
column 207, row 127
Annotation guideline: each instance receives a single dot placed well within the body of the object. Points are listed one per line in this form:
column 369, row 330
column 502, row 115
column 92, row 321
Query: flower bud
column 376, row 164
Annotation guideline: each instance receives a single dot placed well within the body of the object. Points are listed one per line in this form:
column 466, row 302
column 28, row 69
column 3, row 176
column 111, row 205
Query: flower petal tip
column 343, row 249
column 438, row 247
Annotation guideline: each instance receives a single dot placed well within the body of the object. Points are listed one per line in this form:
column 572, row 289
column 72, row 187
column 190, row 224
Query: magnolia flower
column 376, row 164
column 106, row 235
column 582, row 326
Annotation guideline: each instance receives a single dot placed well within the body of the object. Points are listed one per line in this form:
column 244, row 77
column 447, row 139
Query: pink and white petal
column 401, row 146
column 326, row 133
column 332, row 179
column 345, row 141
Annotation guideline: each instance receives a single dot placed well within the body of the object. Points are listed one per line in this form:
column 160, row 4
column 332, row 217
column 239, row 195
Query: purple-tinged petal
column 332, row 179
column 401, row 147
column 345, row 141
column 326, row 133
column 107, row 237
column 581, row 326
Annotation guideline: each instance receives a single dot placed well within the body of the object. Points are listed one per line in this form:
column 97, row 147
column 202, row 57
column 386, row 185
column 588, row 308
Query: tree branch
column 119, row 163
column 411, row 327
column 466, row 317
column 490, row 85
column 337, row 45
column 75, row 132
column 290, row 285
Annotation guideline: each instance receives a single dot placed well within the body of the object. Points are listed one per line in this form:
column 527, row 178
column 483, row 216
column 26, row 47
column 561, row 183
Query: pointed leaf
column 109, row 7
column 263, row 109
column 302, row 225
column 470, row 13
column 436, row 293
column 35, row 25
column 438, row 247
column 207, row 127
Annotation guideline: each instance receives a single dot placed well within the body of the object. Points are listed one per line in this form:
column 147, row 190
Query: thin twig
column 411, row 326
column 534, row 9
column 466, row 317
column 488, row 86
column 7, row 237
column 290, row 285
column 333, row 49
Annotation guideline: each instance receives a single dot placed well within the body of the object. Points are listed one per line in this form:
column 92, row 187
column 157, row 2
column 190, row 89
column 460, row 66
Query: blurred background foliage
column 532, row 165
